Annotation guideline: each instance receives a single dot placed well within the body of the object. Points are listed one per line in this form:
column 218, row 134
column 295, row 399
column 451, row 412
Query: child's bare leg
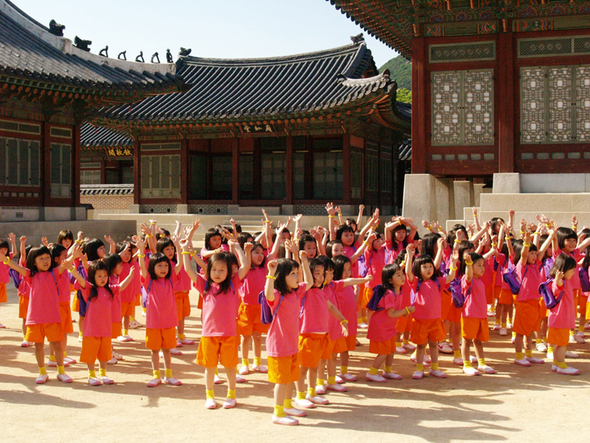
column 420, row 353
column 231, row 378
column 559, row 354
column 312, row 376
column 321, row 370
column 245, row 347
column 167, row 358
column 465, row 345
column 209, row 377
column 379, row 359
column 302, row 378
column 479, row 350
column 24, row 327
column 55, row 346
column 155, row 360
column 344, row 358
column 389, row 360
column 280, row 392
column 180, row 328
column 126, row 322
column 529, row 342
column 332, row 366
column 455, row 333
column 433, row 346
column 518, row 343
column 40, row 354
column 257, row 341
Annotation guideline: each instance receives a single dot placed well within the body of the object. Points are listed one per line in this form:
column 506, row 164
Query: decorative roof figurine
column 104, row 52
column 156, row 57
column 184, row 51
column 122, row 55
column 139, row 58
column 56, row 29
column 84, row 45
column 169, row 58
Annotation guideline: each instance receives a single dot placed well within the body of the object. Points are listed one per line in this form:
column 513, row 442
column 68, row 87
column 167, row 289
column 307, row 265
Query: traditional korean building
column 290, row 132
column 499, row 89
column 48, row 87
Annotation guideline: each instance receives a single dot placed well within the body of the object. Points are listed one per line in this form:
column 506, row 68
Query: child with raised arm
column 4, row 274
column 382, row 323
column 284, row 293
column 427, row 324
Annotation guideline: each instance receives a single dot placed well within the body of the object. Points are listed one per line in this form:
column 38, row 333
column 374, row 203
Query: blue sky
column 216, row 29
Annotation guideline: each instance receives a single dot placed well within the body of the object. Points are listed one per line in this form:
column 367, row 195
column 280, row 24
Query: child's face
column 118, row 269
column 257, row 256
column 43, row 262
column 569, row 245
column 353, row 226
column 101, row 278
column 398, row 279
column 377, row 243
column 318, row 276
column 347, row 238
column 310, row 249
column 215, row 242
column 4, row 251
column 218, row 272
column 532, row 258
column 347, row 271
column 61, row 258
column 101, row 251
column 427, row 271
column 479, row 267
column 66, row 243
column 161, row 269
column 337, row 249
column 461, row 235
column 169, row 252
column 569, row 274
column 400, row 235
column 292, row 279
column 126, row 256
column 285, row 235
column 329, row 276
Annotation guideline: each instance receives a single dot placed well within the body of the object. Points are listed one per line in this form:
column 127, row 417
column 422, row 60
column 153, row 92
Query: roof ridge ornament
column 169, row 58
column 155, row 56
column 122, row 55
column 104, row 52
column 139, row 58
column 84, row 45
column 358, row 39
column 56, row 29
column 184, row 52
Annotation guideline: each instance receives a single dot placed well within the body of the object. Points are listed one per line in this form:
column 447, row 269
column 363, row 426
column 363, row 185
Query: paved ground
column 526, row 404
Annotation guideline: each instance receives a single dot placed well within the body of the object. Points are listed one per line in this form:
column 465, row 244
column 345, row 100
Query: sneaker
column 363, row 325
column 579, row 337
column 554, row 368
column 172, row 381
column 503, row 332
column 473, row 359
column 124, row 338
column 286, row 420
column 134, row 324
column 94, row 382
column 486, row 369
column 497, row 327
column 51, row 364
column 317, row 400
column 260, row 368
column 535, row 360
column 240, row 379
column 117, row 356
column 471, row 371
column 409, row 347
column 417, row 375
column 244, row 370
column 438, row 373
column 358, row 343
column 186, row 341
column 294, row 412
column 587, row 326
column 64, row 378
column 42, row 379
column 178, row 343
column 513, row 339
column 304, row 404
column 550, row 356
column 444, row 348
column 568, row 371
column 375, row 377
column 572, row 339
column 70, row 361
column 401, row 350
column 340, row 380
column 154, row 382
column 107, row 381
column 229, row 403
column 2, row 326
column 541, row 347
column 113, row 361
column 458, row 361
column 348, row 377
column 80, row 339
column 336, row 387
column 491, row 313
column 426, row 361
column 523, row 362
column 217, row 380
column 175, row 351
column 210, row 404
column 509, row 325
column 24, row 344
column 570, row 354
column 320, row 389
column 392, row 375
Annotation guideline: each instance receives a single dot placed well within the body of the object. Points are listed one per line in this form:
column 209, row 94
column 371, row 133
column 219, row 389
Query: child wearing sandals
column 284, row 293
column 382, row 323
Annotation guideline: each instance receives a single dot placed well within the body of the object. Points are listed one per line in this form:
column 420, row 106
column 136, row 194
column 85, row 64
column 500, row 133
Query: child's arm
column 582, row 246
column 392, row 313
column 511, row 222
column 476, row 219
column 244, row 262
column 524, row 255
column 389, row 228
column 68, row 262
column 413, row 228
column 233, row 227
column 439, row 253
column 510, row 248
column 372, row 222
column 193, row 229
column 175, row 241
column 81, row 280
column 23, row 249
column 356, row 281
column 307, row 276
column 8, row 262
column 127, row 280
column 559, row 279
column 141, row 256
column 151, row 236
column 480, row 233
column 359, row 218
column 276, row 246
column 453, row 266
column 269, row 286
column 546, row 244
column 367, row 244
column 12, row 240
column 409, row 259
column 469, row 269
column 331, row 225
column 112, row 244
column 336, row 313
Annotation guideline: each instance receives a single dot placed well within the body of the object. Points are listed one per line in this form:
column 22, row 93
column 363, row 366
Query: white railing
column 101, row 189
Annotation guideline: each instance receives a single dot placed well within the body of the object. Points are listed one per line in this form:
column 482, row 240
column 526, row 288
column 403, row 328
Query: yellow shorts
column 382, row 347
column 156, row 339
column 558, row 336
column 95, row 348
column 183, row 304
column 283, row 370
column 38, row 333
column 475, row 329
column 66, row 318
column 427, row 330
column 218, row 349
column 249, row 320
column 311, row 349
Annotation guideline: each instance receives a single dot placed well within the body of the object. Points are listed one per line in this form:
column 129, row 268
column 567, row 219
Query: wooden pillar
column 75, row 173
column 46, row 164
column 136, row 173
column 235, row 158
column 289, row 171
column 346, row 176
column 419, row 102
column 505, row 75
column 184, row 170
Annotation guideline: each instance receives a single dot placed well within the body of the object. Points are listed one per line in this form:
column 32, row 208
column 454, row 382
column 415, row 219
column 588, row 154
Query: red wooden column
column 184, row 168
column 136, row 173
column 419, row 83
column 46, row 163
column 75, row 174
column 235, row 159
column 505, row 75
column 289, row 172
column 346, row 179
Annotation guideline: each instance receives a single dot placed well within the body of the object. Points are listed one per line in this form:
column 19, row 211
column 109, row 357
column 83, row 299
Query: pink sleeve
column 338, row 286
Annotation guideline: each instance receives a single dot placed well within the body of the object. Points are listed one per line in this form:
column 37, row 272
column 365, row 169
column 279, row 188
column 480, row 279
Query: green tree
column 400, row 70
column 404, row 95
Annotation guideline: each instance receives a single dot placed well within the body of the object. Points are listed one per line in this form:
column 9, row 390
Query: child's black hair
column 93, row 268
column 387, row 273
column 111, row 261
column 417, row 265
column 350, row 222
column 342, row 229
column 429, row 242
column 32, row 256
column 56, row 251
column 65, row 234
column 156, row 258
column 4, row 244
column 306, row 239
column 163, row 243
column 313, row 263
column 339, row 263
column 396, row 245
column 91, row 249
column 475, row 256
column 518, row 246
column 284, row 268
column 465, row 245
column 209, row 235
column 564, row 234
column 326, row 261
column 255, row 246
column 244, row 237
column 563, row 263
column 330, row 245
column 226, row 258
column 495, row 223
column 164, row 234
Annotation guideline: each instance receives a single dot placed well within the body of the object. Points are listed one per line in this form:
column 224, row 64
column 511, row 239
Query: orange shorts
column 183, row 304
column 249, row 320
column 350, row 342
column 138, row 300
column 127, row 308
column 404, row 324
column 116, row 330
column 311, row 349
column 66, row 317
column 475, row 329
column 527, row 317
column 95, row 348
column 446, row 302
column 427, row 330
column 283, row 370
column 454, row 314
column 156, row 339
column 382, row 347
column 3, row 294
column 75, row 303
column 200, row 302
column 506, row 297
column 38, row 333
column 543, row 308
column 328, row 350
column 582, row 300
column 365, row 296
column 340, row 345
column 23, row 306
column 497, row 290
column 558, row 336
column 489, row 294
column 218, row 349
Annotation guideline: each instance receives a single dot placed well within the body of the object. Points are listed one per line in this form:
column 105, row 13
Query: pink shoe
column 337, row 388
column 400, row 350
column 438, row 373
column 294, row 412
column 229, row 403
column 304, row 404
column 42, row 379
column 64, row 378
column 348, row 377
column 240, row 379
column 376, row 378
column 392, row 375
column 69, row 361
column 154, row 382
column 172, row 381
column 317, row 400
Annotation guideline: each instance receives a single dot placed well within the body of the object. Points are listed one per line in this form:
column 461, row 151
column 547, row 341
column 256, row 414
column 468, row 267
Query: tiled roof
column 102, row 137
column 233, row 90
column 31, row 55
column 405, row 150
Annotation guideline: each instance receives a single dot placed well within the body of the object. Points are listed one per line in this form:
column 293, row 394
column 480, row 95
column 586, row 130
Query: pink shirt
column 488, row 276
column 347, row 305
column 381, row 326
column 63, row 286
column 577, row 256
column 349, row 251
column 393, row 251
column 283, row 336
column 428, row 301
column 182, row 282
column 253, row 285
column 4, row 271
column 116, row 303
column 220, row 311
column 134, row 287
column 43, row 298
column 501, row 259
column 475, row 303
column 315, row 317
column 564, row 314
column 161, row 304
column 335, row 329
column 99, row 318
column 375, row 261
column 529, row 287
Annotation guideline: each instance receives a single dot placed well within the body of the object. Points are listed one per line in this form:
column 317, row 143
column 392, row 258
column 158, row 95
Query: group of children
column 309, row 292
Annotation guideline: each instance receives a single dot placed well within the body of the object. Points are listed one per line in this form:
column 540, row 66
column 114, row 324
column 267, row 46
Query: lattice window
column 462, row 52
column 463, row 108
column 560, row 104
column 160, row 176
column 532, row 81
column 583, row 103
column 554, row 46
